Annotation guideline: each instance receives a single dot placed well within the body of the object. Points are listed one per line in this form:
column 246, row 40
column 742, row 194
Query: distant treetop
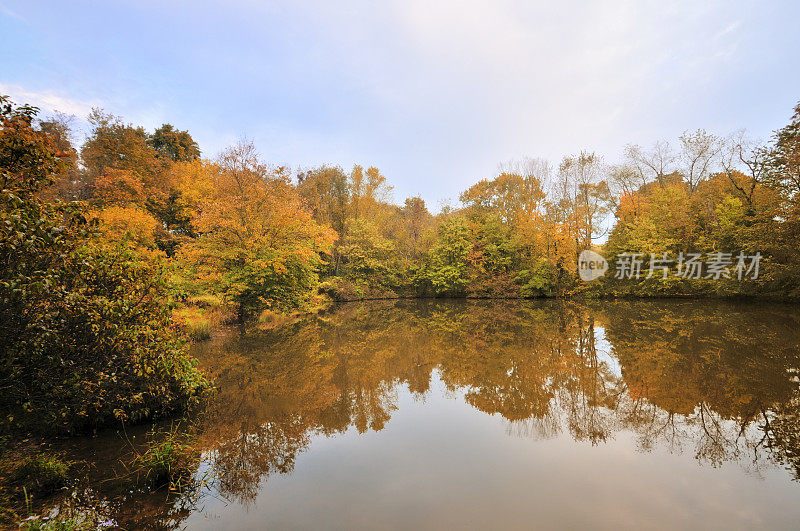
column 174, row 144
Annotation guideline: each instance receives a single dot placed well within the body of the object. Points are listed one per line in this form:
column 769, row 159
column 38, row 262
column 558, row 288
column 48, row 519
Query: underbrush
column 170, row 459
column 195, row 321
column 30, row 477
column 66, row 520
column 207, row 300
column 39, row 475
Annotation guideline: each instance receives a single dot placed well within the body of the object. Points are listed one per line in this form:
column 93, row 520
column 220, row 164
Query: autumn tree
column 326, row 192
column 87, row 334
column 511, row 196
column 367, row 189
column 652, row 164
column 745, row 163
column 698, row 156
column 69, row 184
column 583, row 196
column 494, row 258
column 784, row 158
column 114, row 145
column 258, row 245
column 415, row 219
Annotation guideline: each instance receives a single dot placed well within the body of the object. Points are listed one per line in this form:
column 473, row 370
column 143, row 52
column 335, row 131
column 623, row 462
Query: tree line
column 102, row 241
column 265, row 237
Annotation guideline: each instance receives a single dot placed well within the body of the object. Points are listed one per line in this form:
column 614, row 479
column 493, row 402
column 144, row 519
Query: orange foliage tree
column 258, row 245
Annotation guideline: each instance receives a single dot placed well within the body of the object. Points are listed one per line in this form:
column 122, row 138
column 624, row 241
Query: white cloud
column 50, row 101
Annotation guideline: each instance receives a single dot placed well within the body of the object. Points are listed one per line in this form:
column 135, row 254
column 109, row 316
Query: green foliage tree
column 446, row 267
column 174, row 144
column 369, row 259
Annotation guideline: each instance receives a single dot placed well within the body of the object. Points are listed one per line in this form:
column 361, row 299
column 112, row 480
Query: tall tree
column 174, row 144
column 258, row 246
column 785, row 157
column 650, row 165
column 698, row 156
column 69, row 184
column 115, row 145
column 416, row 219
column 367, row 189
column 511, row 196
column 325, row 191
column 584, row 196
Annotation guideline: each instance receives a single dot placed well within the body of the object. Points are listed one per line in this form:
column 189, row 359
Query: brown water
column 480, row 414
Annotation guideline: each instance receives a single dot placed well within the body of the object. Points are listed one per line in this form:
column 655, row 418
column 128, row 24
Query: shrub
column 87, row 335
column 539, row 281
column 195, row 322
column 41, row 475
column 170, row 459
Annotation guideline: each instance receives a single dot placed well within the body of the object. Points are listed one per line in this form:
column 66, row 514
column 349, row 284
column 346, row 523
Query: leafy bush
column 539, row 281
column 87, row 335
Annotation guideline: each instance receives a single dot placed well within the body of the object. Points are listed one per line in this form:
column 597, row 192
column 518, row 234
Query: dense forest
column 114, row 250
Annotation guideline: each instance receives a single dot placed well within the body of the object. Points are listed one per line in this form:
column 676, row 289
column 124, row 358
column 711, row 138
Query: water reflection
column 714, row 381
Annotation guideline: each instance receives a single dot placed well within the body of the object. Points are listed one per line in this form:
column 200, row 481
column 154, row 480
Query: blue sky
column 436, row 94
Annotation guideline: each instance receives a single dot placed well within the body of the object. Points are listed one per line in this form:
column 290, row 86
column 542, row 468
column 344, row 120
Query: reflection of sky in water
column 605, row 352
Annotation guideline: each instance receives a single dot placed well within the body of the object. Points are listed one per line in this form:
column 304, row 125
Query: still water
column 487, row 414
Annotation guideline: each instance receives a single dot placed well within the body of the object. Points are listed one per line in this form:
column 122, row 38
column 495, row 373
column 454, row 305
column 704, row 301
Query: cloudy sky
column 435, row 93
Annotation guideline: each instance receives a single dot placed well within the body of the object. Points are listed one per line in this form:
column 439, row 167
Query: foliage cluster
column 87, row 335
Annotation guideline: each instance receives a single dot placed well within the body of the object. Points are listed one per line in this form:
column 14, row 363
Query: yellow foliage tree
column 258, row 245
column 129, row 223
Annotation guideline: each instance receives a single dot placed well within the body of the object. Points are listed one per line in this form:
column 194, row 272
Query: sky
column 434, row 93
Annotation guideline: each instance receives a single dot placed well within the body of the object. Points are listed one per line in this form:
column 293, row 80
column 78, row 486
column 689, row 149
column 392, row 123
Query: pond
column 488, row 414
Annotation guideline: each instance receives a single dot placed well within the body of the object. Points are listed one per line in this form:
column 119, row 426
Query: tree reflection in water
column 715, row 379
column 718, row 378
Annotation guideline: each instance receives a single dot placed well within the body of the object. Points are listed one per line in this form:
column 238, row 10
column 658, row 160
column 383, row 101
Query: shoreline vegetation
column 161, row 245
column 119, row 252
